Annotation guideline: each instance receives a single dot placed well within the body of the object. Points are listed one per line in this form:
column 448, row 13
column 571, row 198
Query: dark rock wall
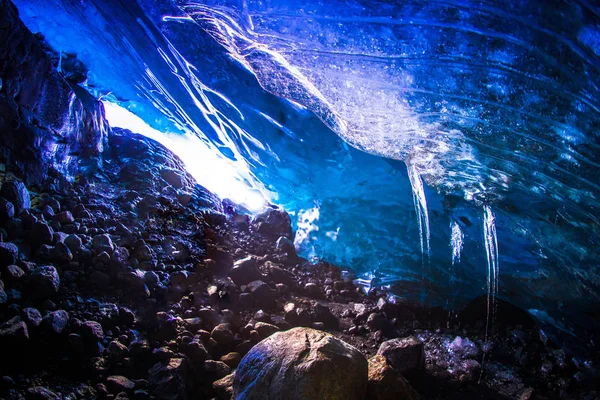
column 45, row 120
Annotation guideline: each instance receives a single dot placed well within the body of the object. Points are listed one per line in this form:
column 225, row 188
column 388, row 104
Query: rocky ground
column 134, row 282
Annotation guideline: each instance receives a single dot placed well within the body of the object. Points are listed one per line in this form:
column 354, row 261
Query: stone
column 313, row 290
column 378, row 322
column 224, row 387
column 43, row 282
column 74, row 243
column 464, row 347
column 265, row 330
column 92, row 330
column 40, row 234
column 406, row 355
column 55, row 321
column 385, row 383
column 40, row 393
column 61, row 253
column 7, row 210
column 17, row 194
column 280, row 275
column 286, row 246
column 263, row 295
column 196, row 351
column 13, row 332
column 323, row 314
column 102, row 243
column 245, row 271
column 8, row 254
column 13, row 273
column 31, row 316
column 172, row 177
column 232, row 359
column 273, row 224
column 216, row 369
column 301, row 363
column 119, row 383
column 222, row 334
column 65, row 218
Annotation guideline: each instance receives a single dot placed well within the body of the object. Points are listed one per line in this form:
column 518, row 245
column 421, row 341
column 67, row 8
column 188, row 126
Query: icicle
column 421, row 209
column 456, row 241
column 491, row 250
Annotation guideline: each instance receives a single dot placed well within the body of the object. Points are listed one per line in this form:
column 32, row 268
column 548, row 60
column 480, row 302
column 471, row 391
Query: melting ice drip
column 491, row 250
column 456, row 242
column 421, row 209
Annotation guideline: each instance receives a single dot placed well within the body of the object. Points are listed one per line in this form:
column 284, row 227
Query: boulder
column 8, row 254
column 406, row 355
column 43, row 282
column 273, row 223
column 245, row 271
column 17, row 194
column 224, row 387
column 385, row 383
column 263, row 295
column 7, row 210
column 40, row 234
column 301, row 363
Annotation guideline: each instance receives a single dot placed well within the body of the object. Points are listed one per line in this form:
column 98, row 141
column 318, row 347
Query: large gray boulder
column 301, row 364
column 406, row 355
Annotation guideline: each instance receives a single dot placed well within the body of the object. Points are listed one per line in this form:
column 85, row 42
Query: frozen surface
column 445, row 148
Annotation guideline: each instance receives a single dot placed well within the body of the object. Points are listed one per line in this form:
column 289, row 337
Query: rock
column 8, row 254
column 74, row 243
column 61, row 253
column 222, row 334
column 7, row 210
column 301, row 364
column 263, row 295
column 13, row 273
column 216, row 369
column 245, row 271
column 118, row 383
column 102, row 243
column 99, row 279
column 224, row 387
column 280, row 275
column 31, row 316
column 196, row 351
column 41, row 393
column 13, row 332
column 172, row 177
column 232, row 359
column 43, row 282
column 385, row 383
column 464, row 347
column 406, row 355
column 55, row 321
column 273, row 224
column 285, row 246
column 92, row 330
column 117, row 350
column 378, row 322
column 65, row 218
column 323, row 314
column 40, row 234
column 313, row 290
column 17, row 194
column 265, row 330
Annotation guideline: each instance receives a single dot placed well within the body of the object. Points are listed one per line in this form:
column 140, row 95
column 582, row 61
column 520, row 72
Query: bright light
column 210, row 169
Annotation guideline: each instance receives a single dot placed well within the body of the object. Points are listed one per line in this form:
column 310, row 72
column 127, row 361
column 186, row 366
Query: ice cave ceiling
column 445, row 148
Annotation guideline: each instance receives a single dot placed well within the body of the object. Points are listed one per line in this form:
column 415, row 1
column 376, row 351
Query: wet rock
column 55, row 322
column 286, row 246
column 61, row 253
column 263, row 295
column 8, row 254
column 12, row 273
column 280, row 275
column 17, row 194
column 7, row 210
column 385, row 383
column 40, row 393
column 265, row 330
column 40, row 234
column 118, row 383
column 216, row 369
column 273, row 224
column 64, row 218
column 102, row 243
column 222, row 334
column 13, row 332
column 232, row 359
column 31, row 316
column 43, row 282
column 464, row 347
column 224, row 387
column 406, row 355
column 245, row 271
column 302, row 364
